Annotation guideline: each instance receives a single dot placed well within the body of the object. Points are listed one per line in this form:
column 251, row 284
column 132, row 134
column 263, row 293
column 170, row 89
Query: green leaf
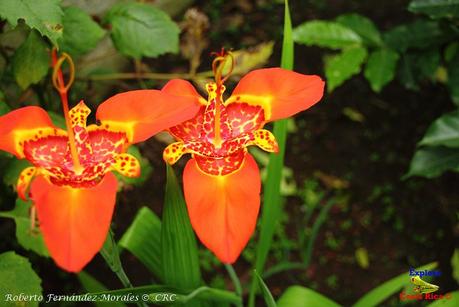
column 4, row 107
column 57, row 119
column 272, row 207
column 387, row 289
column 297, row 296
column 43, row 15
column 31, row 61
column 453, row 79
column 143, row 240
column 81, row 33
column 27, row 238
column 444, row 131
column 326, row 34
column 435, row 8
column 13, row 170
column 380, row 68
column 91, row 284
column 363, row 26
column 268, row 297
column 142, row 30
column 419, row 34
column 340, row 67
column 407, row 72
column 17, row 278
column 431, row 162
column 451, row 302
column 178, row 244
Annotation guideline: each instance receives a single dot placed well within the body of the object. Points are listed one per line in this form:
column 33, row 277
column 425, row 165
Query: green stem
column 112, row 257
column 149, row 75
column 235, row 280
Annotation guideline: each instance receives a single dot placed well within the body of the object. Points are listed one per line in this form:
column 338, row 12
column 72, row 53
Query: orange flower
column 222, row 181
column 72, row 186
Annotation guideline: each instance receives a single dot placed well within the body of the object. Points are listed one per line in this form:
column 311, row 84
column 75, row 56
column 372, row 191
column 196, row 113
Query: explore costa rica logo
column 422, row 289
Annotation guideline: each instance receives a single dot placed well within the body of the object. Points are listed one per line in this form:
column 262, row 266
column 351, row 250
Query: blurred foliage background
column 370, row 182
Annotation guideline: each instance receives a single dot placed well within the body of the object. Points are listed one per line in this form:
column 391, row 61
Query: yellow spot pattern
column 24, row 181
column 173, row 152
column 127, row 165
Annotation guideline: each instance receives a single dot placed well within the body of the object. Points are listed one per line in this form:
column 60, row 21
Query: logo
column 422, row 290
column 421, row 286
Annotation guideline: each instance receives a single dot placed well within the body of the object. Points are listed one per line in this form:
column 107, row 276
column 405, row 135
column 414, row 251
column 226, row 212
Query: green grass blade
column 91, row 284
column 387, row 289
column 268, row 297
column 178, row 243
column 297, row 296
column 272, row 206
column 143, row 240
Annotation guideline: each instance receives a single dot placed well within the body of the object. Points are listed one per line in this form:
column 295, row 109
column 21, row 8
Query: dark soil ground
column 401, row 224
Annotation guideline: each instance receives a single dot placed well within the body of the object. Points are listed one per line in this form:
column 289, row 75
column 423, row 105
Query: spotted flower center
column 218, row 135
column 99, row 151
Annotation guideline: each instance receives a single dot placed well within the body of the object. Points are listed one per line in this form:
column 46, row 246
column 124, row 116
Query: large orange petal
column 282, row 93
column 22, row 124
column 143, row 113
column 223, row 209
column 74, row 222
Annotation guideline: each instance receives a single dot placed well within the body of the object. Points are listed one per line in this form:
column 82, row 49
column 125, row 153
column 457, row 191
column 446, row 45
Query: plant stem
column 111, row 256
column 236, row 281
column 149, row 75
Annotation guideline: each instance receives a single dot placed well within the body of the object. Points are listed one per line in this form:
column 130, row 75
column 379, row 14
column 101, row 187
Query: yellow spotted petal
column 173, row 152
column 78, row 114
column 127, row 165
column 24, row 181
column 265, row 140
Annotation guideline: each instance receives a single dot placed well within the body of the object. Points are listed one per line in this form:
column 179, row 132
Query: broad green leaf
column 326, row 34
column 30, row 239
column 451, row 301
column 340, row 67
column 435, row 8
column 91, row 284
column 428, row 61
column 13, row 169
column 431, row 162
column 450, row 51
column 142, row 30
column 380, row 68
column 143, row 240
column 388, row 288
column 406, row 72
column 178, row 243
column 419, row 34
column 57, row 119
column 363, row 26
column 43, row 15
column 453, row 79
column 268, row 297
column 443, row 131
column 4, row 107
column 81, row 33
column 17, row 278
column 297, row 296
column 31, row 61
column 272, row 200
